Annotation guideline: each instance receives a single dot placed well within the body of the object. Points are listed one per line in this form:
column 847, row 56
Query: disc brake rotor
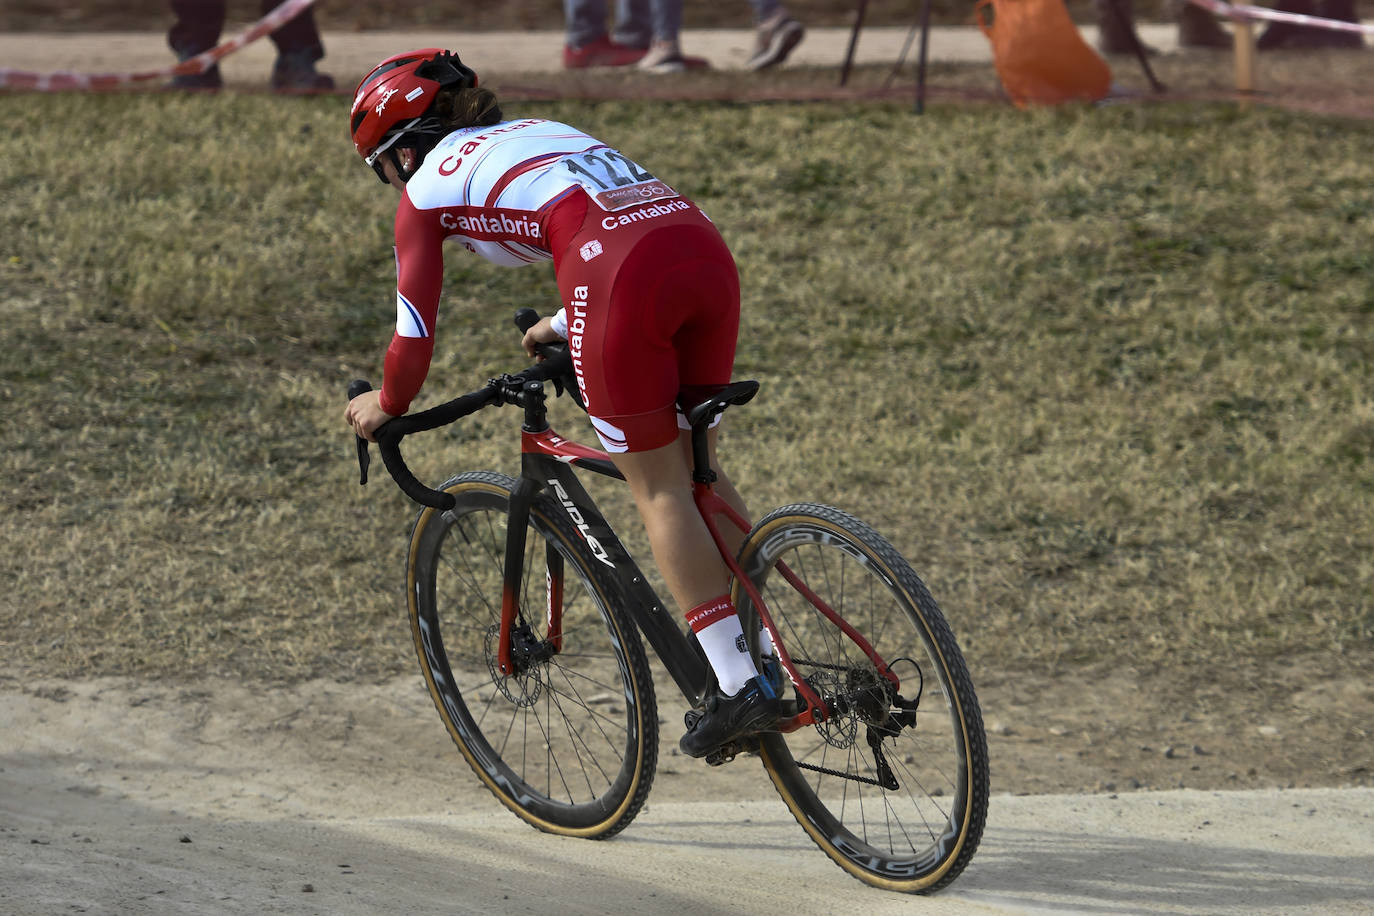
column 522, row 688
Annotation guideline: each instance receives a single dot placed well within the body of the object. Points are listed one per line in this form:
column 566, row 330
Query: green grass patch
column 1103, row 374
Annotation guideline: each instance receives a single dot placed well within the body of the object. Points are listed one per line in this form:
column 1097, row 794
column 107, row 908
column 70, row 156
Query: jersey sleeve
column 419, row 282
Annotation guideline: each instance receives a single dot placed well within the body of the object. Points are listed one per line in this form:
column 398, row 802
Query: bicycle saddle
column 702, row 403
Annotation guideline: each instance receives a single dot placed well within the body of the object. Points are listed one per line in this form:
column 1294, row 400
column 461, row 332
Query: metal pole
column 853, row 41
column 921, row 62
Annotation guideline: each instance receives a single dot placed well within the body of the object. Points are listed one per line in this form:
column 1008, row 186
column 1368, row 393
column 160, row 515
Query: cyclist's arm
column 419, row 281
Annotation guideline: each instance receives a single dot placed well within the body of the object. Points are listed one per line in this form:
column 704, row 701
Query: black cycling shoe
column 753, row 709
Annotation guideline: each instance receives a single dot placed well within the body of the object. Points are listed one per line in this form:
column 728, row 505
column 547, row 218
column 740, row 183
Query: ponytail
column 458, row 108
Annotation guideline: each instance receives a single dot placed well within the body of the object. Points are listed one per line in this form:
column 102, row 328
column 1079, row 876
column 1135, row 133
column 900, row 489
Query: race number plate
column 614, row 180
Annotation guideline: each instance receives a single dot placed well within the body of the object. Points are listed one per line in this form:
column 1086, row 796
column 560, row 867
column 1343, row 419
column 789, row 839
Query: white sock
column 766, row 649
column 718, row 630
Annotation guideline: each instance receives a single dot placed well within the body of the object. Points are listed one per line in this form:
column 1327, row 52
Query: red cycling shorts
column 652, row 301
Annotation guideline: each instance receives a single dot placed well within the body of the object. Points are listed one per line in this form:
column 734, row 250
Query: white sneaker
column 775, row 40
column 674, row 61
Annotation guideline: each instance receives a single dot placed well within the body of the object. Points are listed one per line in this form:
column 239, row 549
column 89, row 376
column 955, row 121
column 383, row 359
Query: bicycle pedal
column 732, row 749
column 720, row 756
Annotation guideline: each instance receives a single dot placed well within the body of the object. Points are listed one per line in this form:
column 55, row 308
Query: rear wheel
column 893, row 783
column 570, row 740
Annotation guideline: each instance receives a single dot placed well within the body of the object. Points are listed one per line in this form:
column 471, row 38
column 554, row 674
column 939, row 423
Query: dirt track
column 124, row 798
column 350, row 55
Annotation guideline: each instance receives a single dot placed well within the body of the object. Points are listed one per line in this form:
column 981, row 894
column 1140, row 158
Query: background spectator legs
column 198, row 24
column 587, row 43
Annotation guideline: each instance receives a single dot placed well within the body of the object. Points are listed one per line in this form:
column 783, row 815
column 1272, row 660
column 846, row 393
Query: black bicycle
column 527, row 612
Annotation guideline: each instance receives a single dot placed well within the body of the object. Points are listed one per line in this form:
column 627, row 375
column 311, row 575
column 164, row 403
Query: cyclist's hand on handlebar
column 541, row 332
column 364, row 413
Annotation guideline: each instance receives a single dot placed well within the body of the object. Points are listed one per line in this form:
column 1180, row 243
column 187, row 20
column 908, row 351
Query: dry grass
column 1103, row 374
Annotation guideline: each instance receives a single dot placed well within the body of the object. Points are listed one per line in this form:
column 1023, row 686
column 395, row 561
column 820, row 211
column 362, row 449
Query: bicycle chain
column 816, row 664
column 828, row 772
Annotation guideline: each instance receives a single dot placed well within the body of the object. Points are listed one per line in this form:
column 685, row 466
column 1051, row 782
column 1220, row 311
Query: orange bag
column 1039, row 54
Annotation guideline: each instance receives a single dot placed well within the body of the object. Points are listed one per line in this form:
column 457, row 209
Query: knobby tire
column 898, row 801
column 570, row 743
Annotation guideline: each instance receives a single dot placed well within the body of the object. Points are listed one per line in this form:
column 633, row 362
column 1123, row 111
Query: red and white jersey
column 492, row 189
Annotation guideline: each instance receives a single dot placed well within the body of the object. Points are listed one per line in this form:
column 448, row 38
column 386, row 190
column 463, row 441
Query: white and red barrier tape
column 1240, row 11
column 66, row 79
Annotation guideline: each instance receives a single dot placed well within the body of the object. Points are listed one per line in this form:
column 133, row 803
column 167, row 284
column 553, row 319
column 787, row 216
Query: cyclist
column 650, row 299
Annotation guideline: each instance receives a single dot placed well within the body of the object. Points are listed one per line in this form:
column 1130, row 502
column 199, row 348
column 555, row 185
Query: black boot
column 1289, row 36
column 1341, row 11
column 295, row 71
column 209, row 81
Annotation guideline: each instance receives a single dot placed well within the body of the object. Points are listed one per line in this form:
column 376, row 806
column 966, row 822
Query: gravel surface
column 121, row 797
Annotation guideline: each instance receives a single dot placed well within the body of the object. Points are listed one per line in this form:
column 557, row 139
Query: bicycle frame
column 547, row 460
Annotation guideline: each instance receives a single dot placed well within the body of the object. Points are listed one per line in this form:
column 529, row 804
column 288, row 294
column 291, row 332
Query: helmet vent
column 384, row 69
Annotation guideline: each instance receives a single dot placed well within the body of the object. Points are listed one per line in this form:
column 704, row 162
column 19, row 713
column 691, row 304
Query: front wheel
column 892, row 782
column 569, row 740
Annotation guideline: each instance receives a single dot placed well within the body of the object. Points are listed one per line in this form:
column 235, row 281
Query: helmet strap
column 381, row 172
column 419, row 141
column 393, row 156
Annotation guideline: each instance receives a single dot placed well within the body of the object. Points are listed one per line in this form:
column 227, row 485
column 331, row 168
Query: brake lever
column 355, row 388
column 525, row 319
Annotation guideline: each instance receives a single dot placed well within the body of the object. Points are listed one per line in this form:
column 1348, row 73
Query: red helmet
column 395, row 98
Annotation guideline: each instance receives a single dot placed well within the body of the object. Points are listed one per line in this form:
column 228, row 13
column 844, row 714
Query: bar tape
column 66, row 79
column 1240, row 11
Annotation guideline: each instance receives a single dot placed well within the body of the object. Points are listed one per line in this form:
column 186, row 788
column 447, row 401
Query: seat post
column 701, row 454
column 701, row 411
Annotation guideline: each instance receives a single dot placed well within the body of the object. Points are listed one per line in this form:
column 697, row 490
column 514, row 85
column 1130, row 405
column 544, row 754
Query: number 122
column 613, row 165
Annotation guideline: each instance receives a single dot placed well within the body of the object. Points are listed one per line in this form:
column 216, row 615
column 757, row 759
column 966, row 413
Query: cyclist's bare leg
column 733, row 536
column 661, row 482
